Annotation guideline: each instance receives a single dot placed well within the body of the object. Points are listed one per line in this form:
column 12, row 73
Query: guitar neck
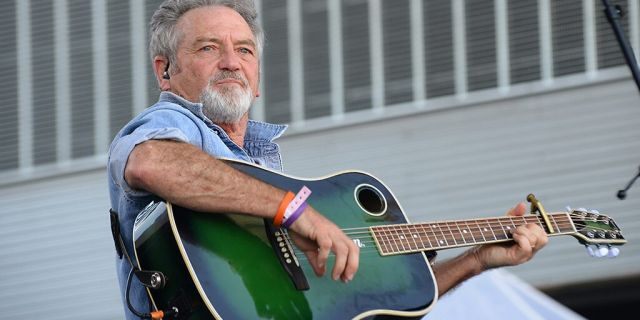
column 407, row 238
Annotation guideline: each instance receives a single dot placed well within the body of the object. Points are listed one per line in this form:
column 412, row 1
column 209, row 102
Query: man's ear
column 161, row 70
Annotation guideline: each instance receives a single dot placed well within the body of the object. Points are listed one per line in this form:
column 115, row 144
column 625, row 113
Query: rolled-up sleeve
column 156, row 125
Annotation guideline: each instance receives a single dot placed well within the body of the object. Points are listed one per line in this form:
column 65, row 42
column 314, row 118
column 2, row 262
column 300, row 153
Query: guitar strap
column 148, row 278
column 117, row 237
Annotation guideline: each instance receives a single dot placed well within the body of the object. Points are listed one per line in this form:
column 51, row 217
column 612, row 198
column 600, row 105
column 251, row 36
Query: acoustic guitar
column 229, row 266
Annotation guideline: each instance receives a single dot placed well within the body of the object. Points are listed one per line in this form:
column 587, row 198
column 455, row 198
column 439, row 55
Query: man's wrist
column 477, row 265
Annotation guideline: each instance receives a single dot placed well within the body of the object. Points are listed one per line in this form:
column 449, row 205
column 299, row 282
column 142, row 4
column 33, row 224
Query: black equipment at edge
column 613, row 14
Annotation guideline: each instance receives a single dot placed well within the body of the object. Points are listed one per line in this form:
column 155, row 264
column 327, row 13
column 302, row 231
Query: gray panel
column 438, row 40
column 119, row 46
column 9, row 92
column 275, row 62
column 397, row 51
column 317, row 85
column 481, row 45
column 524, row 43
column 44, row 101
column 356, row 52
column 609, row 52
column 81, row 60
column 57, row 256
column 568, row 37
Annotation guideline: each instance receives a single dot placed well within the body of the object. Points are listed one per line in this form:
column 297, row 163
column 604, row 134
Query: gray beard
column 229, row 104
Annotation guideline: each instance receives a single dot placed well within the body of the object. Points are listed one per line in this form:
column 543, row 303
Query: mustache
column 223, row 75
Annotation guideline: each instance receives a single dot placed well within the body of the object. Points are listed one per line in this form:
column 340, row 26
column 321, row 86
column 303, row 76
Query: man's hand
column 528, row 239
column 316, row 236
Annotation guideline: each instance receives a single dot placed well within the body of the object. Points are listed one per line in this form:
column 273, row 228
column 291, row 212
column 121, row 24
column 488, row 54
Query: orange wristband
column 277, row 220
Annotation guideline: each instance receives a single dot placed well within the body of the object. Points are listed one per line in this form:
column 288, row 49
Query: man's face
column 217, row 62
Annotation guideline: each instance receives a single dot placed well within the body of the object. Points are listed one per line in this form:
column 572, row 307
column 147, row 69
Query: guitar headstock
column 598, row 232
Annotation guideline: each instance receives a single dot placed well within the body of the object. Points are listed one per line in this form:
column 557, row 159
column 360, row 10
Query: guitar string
column 371, row 241
column 474, row 233
column 447, row 224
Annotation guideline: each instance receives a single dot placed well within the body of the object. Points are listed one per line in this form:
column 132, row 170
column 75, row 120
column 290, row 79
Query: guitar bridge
column 283, row 250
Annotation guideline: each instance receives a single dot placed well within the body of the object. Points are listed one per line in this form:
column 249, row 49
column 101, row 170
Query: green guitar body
column 225, row 267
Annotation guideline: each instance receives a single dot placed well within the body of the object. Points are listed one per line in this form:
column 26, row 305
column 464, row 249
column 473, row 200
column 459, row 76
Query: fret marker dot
column 441, row 242
column 415, row 235
column 508, row 228
column 402, row 237
column 464, row 231
column 485, row 229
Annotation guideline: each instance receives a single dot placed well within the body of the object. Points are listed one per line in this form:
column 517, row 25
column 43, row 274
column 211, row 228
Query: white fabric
column 497, row 295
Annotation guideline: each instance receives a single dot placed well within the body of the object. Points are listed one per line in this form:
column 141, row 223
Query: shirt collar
column 256, row 130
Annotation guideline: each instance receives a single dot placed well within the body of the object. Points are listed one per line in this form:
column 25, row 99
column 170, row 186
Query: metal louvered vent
column 323, row 60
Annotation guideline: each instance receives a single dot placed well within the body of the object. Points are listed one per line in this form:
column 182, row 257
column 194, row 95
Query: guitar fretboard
column 407, row 238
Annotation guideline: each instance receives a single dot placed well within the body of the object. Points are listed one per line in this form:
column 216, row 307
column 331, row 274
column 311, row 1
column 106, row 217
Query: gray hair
column 164, row 36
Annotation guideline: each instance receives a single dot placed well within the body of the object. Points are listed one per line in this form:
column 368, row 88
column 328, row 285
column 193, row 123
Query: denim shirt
column 174, row 118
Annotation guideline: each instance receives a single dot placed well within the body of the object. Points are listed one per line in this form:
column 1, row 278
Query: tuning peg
column 613, row 252
column 601, row 251
column 598, row 251
column 590, row 250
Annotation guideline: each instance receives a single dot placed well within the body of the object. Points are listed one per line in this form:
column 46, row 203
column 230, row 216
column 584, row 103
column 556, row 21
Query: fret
column 540, row 222
column 377, row 240
column 470, row 231
column 441, row 242
column 403, row 238
column 510, row 229
column 395, row 240
column 426, row 234
column 490, row 229
column 553, row 219
column 411, row 242
column 564, row 220
column 535, row 220
column 461, row 233
column 506, row 236
column 406, row 231
column 524, row 220
column 554, row 223
column 513, row 223
column 394, row 236
column 528, row 220
column 423, row 234
column 571, row 227
column 480, row 229
column 455, row 242
column 390, row 241
column 412, row 231
column 383, row 240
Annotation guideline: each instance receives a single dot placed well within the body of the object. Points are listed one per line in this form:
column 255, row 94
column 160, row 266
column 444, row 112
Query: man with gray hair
column 206, row 58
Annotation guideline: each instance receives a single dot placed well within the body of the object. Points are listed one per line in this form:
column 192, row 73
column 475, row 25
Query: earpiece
column 165, row 75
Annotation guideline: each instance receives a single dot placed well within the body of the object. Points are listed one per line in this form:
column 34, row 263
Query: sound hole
column 371, row 200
